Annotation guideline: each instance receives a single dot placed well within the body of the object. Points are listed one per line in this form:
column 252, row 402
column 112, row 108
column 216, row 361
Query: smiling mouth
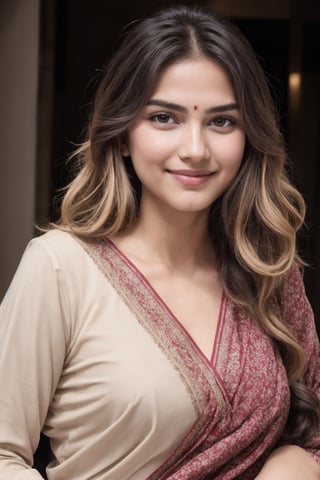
column 191, row 173
column 191, row 177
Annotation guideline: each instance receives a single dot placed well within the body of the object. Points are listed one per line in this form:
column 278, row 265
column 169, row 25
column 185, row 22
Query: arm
column 32, row 350
column 290, row 461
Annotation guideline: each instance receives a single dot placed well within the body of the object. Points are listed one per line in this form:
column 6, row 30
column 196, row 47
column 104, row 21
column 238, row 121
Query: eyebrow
column 180, row 108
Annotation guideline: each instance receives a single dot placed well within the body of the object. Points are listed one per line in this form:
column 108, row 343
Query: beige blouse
column 75, row 363
column 91, row 356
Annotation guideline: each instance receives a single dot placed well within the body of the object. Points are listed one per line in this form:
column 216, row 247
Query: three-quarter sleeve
column 33, row 339
column 298, row 315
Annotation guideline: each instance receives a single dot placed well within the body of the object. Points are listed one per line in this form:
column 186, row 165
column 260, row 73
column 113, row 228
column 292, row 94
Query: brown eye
column 222, row 122
column 161, row 118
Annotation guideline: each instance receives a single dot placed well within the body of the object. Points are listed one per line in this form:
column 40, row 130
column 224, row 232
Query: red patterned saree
column 240, row 398
column 92, row 356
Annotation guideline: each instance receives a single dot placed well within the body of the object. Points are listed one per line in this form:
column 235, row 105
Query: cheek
column 150, row 149
column 143, row 145
column 232, row 151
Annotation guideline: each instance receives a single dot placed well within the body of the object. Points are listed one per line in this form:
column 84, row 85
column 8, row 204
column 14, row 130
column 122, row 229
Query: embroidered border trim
column 200, row 381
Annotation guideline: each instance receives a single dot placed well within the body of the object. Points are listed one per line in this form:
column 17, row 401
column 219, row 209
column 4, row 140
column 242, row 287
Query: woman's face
column 188, row 142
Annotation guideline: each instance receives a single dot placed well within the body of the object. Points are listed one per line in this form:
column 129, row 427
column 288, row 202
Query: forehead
column 196, row 80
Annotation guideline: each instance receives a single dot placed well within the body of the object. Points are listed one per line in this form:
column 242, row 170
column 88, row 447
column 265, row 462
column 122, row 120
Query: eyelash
column 156, row 116
column 228, row 122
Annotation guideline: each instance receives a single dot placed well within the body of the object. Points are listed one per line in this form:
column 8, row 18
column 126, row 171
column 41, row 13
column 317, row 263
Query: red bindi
column 195, row 107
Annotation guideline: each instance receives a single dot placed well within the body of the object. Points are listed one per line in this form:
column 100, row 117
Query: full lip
column 190, row 172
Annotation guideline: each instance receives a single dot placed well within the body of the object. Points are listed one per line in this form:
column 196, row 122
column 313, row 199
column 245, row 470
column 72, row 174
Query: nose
column 193, row 144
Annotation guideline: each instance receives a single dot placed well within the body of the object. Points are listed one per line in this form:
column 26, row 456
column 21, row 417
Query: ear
column 125, row 150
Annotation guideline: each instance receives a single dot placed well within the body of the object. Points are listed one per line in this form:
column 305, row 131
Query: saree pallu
column 124, row 392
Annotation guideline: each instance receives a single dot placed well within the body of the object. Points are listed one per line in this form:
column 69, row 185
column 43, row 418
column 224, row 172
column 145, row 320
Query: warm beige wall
column 19, row 27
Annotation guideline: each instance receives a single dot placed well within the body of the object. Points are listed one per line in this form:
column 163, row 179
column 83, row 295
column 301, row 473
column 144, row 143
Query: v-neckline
column 201, row 377
column 211, row 362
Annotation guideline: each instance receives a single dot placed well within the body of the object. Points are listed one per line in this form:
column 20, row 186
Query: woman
column 169, row 336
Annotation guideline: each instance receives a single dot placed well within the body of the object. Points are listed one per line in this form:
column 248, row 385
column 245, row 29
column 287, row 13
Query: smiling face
column 188, row 142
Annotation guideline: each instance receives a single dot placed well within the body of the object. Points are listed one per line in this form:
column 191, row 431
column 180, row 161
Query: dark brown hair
column 253, row 225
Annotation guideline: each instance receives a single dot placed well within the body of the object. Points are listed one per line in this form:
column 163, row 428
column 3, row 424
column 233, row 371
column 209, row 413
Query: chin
column 192, row 208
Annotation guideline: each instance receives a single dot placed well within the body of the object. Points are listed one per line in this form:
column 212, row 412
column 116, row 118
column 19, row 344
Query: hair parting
column 253, row 225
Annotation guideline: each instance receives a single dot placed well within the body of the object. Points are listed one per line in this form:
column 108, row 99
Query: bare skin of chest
column 195, row 302
column 185, row 278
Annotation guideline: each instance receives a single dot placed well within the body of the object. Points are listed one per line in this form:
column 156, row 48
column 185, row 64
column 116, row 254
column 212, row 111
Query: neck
column 180, row 240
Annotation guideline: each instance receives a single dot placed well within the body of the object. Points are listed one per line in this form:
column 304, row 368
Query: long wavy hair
column 253, row 224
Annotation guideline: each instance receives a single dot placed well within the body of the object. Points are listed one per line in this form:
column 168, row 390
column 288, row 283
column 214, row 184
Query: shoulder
column 60, row 252
column 75, row 261
column 295, row 307
column 59, row 246
column 292, row 292
column 55, row 257
column 292, row 285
